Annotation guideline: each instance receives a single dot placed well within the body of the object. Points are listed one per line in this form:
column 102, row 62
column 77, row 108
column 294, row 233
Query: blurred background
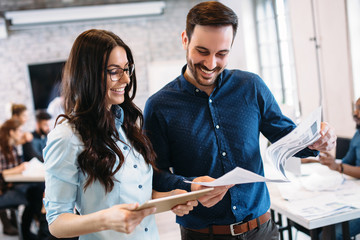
column 304, row 50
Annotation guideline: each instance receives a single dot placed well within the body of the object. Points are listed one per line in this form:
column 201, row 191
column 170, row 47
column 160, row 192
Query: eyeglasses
column 117, row 73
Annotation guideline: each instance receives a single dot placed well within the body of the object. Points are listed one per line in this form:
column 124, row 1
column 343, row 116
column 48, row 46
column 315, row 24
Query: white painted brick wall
column 150, row 38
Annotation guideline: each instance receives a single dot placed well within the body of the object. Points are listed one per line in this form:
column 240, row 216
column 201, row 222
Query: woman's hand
column 123, row 218
column 15, row 170
column 22, row 167
column 183, row 209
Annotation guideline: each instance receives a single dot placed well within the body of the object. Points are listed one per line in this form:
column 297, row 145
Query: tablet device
column 167, row 203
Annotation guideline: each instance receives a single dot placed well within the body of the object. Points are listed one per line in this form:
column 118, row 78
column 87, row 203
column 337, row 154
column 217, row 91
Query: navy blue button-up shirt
column 196, row 135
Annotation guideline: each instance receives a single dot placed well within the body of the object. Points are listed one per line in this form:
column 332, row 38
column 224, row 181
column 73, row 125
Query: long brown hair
column 84, row 90
column 5, row 148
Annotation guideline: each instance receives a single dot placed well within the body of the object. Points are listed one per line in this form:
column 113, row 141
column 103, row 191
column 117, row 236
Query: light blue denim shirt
column 65, row 183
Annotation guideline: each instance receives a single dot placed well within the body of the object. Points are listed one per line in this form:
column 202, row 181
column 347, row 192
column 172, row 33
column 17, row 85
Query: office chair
column 11, row 199
column 342, row 146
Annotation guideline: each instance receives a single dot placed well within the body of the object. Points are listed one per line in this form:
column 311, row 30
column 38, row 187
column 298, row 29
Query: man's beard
column 42, row 132
column 192, row 67
column 357, row 121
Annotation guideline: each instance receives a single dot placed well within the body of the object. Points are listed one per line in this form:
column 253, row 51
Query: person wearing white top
column 97, row 159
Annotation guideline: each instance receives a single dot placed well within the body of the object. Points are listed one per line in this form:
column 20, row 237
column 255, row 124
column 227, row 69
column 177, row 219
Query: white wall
column 244, row 54
column 353, row 10
column 335, row 86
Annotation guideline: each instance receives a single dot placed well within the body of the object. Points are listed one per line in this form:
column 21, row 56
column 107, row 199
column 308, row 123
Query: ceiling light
column 58, row 15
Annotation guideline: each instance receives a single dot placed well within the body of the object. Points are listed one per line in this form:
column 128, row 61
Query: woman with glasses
column 97, row 159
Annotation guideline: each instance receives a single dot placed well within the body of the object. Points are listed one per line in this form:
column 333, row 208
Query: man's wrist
column 341, row 168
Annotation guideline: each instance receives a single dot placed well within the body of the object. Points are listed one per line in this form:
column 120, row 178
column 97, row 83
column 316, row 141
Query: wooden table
column 21, row 178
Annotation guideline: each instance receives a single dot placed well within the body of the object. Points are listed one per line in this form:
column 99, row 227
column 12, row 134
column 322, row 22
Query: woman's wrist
column 103, row 223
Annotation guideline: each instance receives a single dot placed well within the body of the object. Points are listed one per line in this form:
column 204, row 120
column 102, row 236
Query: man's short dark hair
column 210, row 13
column 42, row 115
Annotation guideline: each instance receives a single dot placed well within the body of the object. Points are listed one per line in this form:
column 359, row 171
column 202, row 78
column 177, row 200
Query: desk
column 284, row 207
column 20, row 178
column 23, row 178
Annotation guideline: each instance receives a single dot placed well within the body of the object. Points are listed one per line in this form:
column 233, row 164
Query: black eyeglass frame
column 129, row 70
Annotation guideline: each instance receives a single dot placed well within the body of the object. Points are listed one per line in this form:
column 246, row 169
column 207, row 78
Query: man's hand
column 213, row 197
column 328, row 160
column 327, row 141
column 183, row 209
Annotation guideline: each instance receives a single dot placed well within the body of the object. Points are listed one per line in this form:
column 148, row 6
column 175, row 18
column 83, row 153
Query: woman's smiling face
column 116, row 89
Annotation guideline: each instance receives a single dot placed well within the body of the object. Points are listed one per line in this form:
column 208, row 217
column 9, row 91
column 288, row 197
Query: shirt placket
column 224, row 153
column 223, row 150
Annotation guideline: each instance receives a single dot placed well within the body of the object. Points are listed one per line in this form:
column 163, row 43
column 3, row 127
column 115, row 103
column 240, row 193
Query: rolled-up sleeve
column 62, row 174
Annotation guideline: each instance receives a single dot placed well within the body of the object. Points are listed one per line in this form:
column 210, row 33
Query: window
column 277, row 66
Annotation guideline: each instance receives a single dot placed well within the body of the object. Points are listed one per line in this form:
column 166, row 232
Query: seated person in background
column 350, row 165
column 19, row 112
column 12, row 163
column 35, row 147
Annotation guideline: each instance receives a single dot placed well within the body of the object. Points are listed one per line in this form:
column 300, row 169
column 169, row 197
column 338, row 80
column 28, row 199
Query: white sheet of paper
column 237, row 176
column 34, row 168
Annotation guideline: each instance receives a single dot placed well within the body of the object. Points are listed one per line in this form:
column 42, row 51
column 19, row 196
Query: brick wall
column 155, row 38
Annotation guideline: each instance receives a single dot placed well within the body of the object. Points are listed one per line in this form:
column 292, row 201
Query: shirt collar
column 119, row 115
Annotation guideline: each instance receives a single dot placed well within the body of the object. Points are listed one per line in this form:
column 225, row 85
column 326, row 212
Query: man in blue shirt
column 350, row 165
column 207, row 122
column 36, row 146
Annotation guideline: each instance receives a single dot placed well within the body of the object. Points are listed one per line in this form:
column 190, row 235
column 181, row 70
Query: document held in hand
column 305, row 134
column 167, row 203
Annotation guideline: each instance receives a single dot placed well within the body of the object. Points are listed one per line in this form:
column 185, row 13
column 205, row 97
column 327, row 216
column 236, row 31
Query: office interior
column 307, row 51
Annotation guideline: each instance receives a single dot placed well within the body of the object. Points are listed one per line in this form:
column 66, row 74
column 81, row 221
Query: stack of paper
column 322, row 206
column 302, row 136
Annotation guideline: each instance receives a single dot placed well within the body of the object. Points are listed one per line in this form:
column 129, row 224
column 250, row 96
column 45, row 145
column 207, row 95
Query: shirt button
column 234, row 207
column 197, row 90
column 224, row 154
column 146, row 229
column 140, row 186
column 217, row 126
column 210, row 100
column 135, row 166
column 125, row 147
